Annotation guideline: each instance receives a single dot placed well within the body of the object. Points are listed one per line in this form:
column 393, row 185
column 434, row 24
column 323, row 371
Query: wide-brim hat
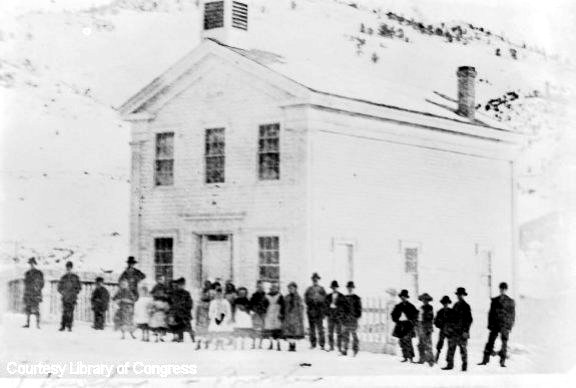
column 445, row 300
column 404, row 293
column 334, row 284
column 350, row 284
column 461, row 291
column 32, row 260
column 180, row 281
column 131, row 260
column 425, row 297
column 316, row 276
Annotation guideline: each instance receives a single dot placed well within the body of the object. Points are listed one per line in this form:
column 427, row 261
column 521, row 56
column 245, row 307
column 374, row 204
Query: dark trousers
column 316, row 325
column 425, row 346
column 461, row 342
column 504, row 334
column 350, row 330
column 67, row 314
column 99, row 318
column 440, row 343
column 334, row 325
column 406, row 346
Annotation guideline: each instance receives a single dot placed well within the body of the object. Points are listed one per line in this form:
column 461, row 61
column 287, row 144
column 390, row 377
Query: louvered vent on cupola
column 226, row 21
column 240, row 15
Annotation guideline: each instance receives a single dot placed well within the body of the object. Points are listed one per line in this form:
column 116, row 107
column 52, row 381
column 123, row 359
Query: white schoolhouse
column 249, row 165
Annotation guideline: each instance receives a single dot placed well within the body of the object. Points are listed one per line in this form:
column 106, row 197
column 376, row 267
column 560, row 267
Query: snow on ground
column 84, row 344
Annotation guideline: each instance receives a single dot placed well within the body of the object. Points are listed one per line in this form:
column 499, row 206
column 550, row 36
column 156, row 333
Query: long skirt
column 124, row 317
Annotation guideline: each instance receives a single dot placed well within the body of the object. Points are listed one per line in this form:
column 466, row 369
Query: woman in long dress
column 293, row 324
column 241, row 317
column 220, row 314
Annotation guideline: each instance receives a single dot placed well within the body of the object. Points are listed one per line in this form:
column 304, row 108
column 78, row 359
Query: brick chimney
column 466, row 92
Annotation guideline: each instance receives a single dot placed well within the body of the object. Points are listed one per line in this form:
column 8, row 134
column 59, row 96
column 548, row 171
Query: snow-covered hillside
column 66, row 65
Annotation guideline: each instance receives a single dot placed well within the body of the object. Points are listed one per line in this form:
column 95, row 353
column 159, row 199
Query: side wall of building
column 221, row 96
column 381, row 188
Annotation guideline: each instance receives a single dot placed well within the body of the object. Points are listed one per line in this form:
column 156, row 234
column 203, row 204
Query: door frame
column 200, row 237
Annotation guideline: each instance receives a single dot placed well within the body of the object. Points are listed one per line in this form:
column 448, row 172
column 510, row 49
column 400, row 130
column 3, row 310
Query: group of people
column 453, row 324
column 227, row 315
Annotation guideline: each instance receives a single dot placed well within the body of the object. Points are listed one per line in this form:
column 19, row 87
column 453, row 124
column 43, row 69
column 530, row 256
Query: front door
column 217, row 257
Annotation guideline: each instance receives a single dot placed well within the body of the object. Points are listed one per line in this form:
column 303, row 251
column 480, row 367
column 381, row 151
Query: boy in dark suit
column 100, row 300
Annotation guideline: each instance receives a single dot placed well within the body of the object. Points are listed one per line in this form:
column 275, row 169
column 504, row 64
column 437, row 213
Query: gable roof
column 262, row 63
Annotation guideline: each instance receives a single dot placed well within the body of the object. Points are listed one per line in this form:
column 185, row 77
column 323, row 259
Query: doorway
column 342, row 268
column 217, row 257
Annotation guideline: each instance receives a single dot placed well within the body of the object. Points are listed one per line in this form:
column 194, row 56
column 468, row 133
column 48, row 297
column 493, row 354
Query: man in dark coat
column 100, row 300
column 425, row 329
column 335, row 308
column 181, row 310
column 405, row 315
column 500, row 322
column 132, row 275
column 458, row 330
column 69, row 286
column 352, row 314
column 441, row 322
column 33, row 285
column 259, row 306
column 315, row 299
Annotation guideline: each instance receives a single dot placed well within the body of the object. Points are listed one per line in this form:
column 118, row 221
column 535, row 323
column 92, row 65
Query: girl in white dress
column 220, row 315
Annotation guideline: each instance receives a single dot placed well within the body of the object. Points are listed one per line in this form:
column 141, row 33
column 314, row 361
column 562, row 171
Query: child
column 158, row 317
column 258, row 307
column 142, row 311
column 202, row 319
column 293, row 324
column 241, row 316
column 440, row 322
column 125, row 313
column 350, row 320
column 220, row 315
column 180, row 311
column 274, row 317
column 425, row 329
column 100, row 300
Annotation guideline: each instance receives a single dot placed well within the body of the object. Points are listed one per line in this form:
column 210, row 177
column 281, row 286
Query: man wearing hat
column 315, row 299
column 500, row 321
column 335, row 308
column 459, row 330
column 132, row 275
column 350, row 320
column 425, row 329
column 69, row 287
column 405, row 316
column 100, row 300
column 33, row 285
column 441, row 322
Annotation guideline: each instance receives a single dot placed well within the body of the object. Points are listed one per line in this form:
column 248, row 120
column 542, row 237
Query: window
column 215, row 156
column 213, row 15
column 164, row 171
column 269, row 152
column 163, row 255
column 240, row 15
column 269, row 259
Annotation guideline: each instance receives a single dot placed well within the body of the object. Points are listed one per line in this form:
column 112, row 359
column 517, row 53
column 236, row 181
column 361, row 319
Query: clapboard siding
column 223, row 99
